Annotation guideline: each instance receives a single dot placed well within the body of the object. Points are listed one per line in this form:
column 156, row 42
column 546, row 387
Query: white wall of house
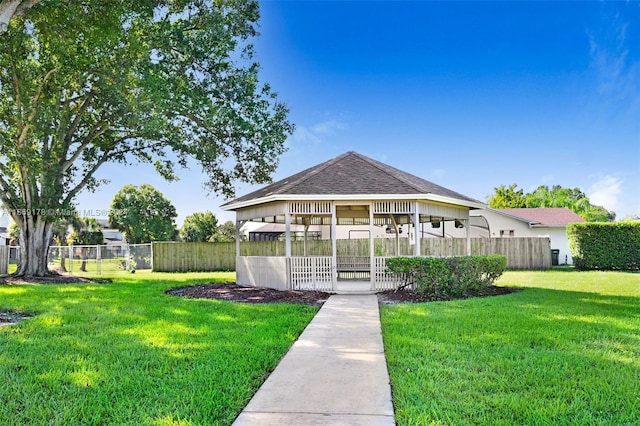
column 354, row 232
column 559, row 241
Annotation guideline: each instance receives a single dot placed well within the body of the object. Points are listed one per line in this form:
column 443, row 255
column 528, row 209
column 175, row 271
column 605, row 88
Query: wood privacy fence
column 4, row 259
column 521, row 253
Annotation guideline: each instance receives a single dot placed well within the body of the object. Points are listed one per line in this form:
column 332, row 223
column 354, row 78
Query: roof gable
column 351, row 174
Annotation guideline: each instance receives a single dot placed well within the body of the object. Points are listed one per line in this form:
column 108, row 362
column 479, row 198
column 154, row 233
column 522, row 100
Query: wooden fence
column 521, row 253
column 4, row 259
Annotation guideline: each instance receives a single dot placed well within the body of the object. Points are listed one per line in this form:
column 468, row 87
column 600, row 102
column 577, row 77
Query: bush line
column 448, row 276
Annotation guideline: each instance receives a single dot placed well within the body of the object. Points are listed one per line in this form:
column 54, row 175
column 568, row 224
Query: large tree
column 143, row 214
column 227, row 232
column 158, row 81
column 199, row 227
column 507, row 197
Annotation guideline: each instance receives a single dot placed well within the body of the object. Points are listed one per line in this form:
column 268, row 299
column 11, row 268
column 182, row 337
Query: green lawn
column 126, row 353
column 564, row 351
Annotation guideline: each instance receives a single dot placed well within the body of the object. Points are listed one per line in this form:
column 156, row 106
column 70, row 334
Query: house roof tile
column 545, row 216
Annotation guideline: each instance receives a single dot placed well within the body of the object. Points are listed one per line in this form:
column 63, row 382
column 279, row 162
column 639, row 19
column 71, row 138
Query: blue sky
column 469, row 95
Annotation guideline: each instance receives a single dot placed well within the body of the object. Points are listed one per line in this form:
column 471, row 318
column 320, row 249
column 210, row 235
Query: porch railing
column 354, row 268
column 383, row 279
column 311, row 273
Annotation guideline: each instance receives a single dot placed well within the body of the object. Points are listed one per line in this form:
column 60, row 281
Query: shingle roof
column 545, row 216
column 351, row 174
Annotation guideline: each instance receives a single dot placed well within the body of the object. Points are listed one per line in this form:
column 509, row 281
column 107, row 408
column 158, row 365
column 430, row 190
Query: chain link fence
column 99, row 259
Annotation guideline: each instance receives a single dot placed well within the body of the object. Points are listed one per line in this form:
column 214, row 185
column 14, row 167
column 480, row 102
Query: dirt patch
column 233, row 292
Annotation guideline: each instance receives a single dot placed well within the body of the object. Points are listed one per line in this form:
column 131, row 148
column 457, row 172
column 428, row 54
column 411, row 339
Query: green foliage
column 605, row 246
column 557, row 196
column 226, row 232
column 135, row 262
column 564, row 351
column 449, row 276
column 505, row 198
column 143, row 214
column 153, row 81
column 199, row 227
column 86, row 231
column 14, row 231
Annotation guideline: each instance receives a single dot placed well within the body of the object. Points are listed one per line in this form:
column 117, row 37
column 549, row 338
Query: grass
column 564, row 351
column 125, row 353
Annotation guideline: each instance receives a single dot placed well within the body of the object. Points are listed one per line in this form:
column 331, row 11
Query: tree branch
column 76, row 120
column 99, row 129
column 87, row 177
column 106, row 156
column 6, row 187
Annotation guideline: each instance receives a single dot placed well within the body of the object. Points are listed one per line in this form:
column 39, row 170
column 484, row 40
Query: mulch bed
column 236, row 293
column 233, row 292
column 391, row 297
column 53, row 277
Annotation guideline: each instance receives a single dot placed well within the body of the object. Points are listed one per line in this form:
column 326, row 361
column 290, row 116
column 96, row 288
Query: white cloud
column 314, row 134
column 305, row 136
column 605, row 192
column 438, row 173
column 614, row 68
column 329, row 127
column 547, row 179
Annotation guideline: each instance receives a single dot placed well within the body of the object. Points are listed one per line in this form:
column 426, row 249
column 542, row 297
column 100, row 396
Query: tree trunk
column 11, row 8
column 63, row 258
column 7, row 10
column 35, row 237
column 83, row 267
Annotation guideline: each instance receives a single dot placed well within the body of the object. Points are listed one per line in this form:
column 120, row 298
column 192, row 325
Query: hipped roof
column 545, row 216
column 351, row 175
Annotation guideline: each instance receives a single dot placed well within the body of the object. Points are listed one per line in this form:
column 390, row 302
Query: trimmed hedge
column 605, row 246
column 449, row 276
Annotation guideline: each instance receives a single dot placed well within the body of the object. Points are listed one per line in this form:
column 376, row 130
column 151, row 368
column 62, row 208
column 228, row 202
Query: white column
column 372, row 249
column 334, row 245
column 467, row 224
column 416, row 229
column 287, row 233
column 238, row 226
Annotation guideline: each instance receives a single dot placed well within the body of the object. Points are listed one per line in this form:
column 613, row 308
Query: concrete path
column 334, row 374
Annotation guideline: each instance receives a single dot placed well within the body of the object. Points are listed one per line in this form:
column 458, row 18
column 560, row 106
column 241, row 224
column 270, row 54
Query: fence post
column 98, row 260
column 127, row 261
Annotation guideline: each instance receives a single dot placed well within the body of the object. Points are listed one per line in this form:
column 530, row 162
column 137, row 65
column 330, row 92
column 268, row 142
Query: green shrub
column 605, row 246
column 449, row 276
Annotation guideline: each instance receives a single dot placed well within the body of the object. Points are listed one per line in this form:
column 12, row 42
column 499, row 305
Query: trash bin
column 555, row 255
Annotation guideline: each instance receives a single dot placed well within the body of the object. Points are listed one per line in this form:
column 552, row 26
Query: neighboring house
column 532, row 222
column 4, row 237
column 111, row 236
column 276, row 231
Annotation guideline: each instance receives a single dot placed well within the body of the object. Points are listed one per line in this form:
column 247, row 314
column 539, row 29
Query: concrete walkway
column 334, row 374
